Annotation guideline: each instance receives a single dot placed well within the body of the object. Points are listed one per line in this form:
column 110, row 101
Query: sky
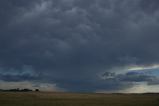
column 80, row 45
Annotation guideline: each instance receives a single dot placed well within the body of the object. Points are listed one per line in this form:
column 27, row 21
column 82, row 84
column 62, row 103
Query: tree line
column 19, row 90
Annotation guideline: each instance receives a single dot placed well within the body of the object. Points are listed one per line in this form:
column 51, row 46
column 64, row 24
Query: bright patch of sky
column 152, row 70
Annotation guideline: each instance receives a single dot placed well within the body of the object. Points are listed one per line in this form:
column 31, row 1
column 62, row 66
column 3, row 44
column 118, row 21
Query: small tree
column 37, row 90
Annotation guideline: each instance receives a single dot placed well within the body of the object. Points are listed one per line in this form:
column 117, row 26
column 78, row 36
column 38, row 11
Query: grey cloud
column 149, row 6
column 132, row 77
column 136, row 77
column 30, row 85
column 65, row 40
column 26, row 73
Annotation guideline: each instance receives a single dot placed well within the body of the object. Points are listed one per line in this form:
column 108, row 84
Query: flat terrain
column 72, row 99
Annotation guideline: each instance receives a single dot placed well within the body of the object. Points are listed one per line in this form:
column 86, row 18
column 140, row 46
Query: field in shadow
column 76, row 99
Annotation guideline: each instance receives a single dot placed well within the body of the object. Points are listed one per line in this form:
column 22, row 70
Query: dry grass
column 71, row 99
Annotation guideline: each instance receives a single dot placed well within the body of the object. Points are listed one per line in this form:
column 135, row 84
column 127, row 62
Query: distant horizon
column 35, row 90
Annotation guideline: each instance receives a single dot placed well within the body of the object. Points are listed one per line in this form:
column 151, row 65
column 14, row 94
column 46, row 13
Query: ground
column 76, row 99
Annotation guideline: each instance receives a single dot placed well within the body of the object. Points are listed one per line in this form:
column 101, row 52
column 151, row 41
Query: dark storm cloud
column 150, row 6
column 132, row 76
column 23, row 74
column 70, row 42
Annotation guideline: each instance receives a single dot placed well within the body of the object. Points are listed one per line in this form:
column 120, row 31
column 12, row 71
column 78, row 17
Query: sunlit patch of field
column 72, row 99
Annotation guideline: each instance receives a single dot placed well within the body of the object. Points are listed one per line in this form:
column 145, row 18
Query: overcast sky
column 80, row 45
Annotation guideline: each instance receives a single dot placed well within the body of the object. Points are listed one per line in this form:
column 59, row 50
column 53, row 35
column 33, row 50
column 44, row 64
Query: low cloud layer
column 5, row 85
column 74, row 42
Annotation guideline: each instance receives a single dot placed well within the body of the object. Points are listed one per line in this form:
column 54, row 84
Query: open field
column 72, row 99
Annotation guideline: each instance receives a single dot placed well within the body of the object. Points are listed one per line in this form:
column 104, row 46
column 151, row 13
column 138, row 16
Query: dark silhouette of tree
column 16, row 90
column 26, row 90
column 37, row 90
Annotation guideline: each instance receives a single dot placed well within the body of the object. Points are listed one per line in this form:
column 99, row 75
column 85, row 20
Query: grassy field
column 71, row 99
